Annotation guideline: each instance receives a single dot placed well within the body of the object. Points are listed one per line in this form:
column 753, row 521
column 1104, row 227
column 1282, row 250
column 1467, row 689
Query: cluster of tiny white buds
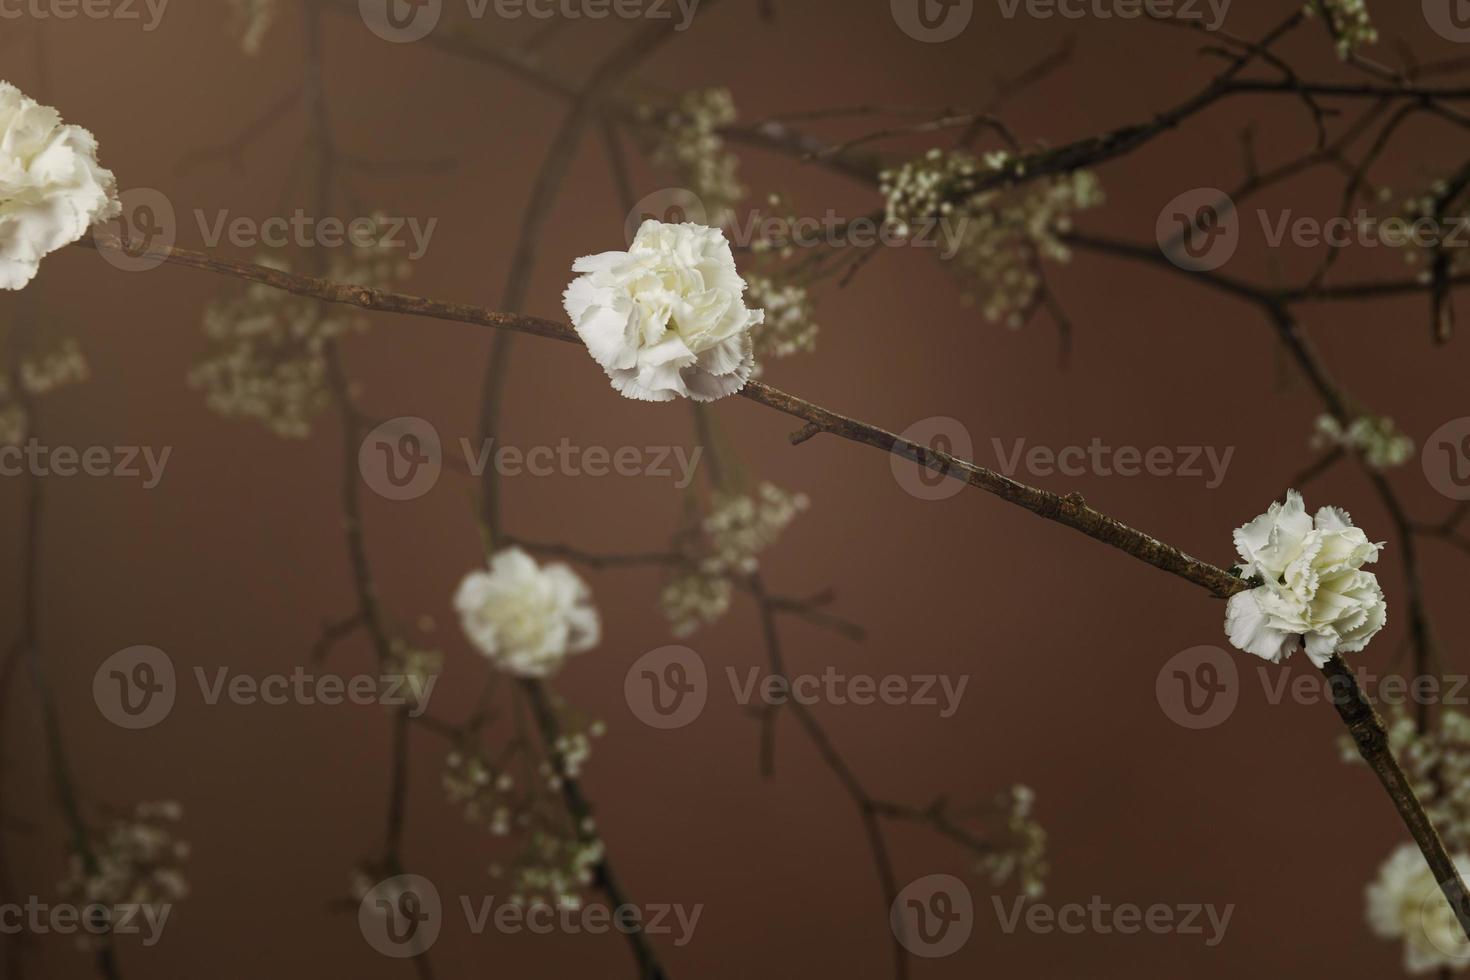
column 1437, row 764
column 137, row 859
column 686, row 140
column 1349, row 22
column 788, row 328
column 1376, row 437
column 268, row 349
column 1003, row 232
column 1023, row 857
column 553, row 870
column 40, row 373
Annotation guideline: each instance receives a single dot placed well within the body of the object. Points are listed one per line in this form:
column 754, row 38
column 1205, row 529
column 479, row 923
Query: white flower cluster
column 1024, row 858
column 1374, row 436
column 251, row 21
column 553, row 870
column 1437, row 764
column 138, row 861
column 788, row 328
column 666, row 319
column 1312, row 589
column 686, row 140
column 1349, row 22
column 416, row 666
column 734, row 533
column 267, row 351
column 52, row 190
column 40, row 374
column 1004, row 233
column 527, row 619
column 1405, row 903
column 484, row 791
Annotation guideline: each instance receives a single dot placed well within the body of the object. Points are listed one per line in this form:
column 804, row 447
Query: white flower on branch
column 51, row 187
column 667, row 318
column 1406, row 903
column 527, row 618
column 1312, row 587
column 1348, row 21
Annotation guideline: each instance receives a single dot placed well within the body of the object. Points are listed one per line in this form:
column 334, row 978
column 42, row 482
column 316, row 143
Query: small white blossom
column 667, row 318
column 527, row 618
column 41, row 372
column 788, row 328
column 1406, row 903
column 1313, row 586
column 1380, row 442
column 251, row 20
column 51, row 187
column 138, row 861
column 1437, row 764
column 1023, row 857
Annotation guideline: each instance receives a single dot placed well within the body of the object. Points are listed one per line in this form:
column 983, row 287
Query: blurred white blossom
column 1374, row 436
column 40, row 373
column 251, row 20
column 1405, row 902
column 1023, row 855
column 52, row 190
column 1349, row 21
column 526, row 618
column 788, row 327
column 138, row 861
column 686, row 140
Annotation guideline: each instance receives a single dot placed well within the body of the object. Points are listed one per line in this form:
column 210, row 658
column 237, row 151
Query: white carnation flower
column 667, row 318
column 1406, row 903
column 1313, row 585
column 527, row 618
column 51, row 187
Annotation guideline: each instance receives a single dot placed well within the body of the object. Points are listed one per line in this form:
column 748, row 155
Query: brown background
column 237, row 558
